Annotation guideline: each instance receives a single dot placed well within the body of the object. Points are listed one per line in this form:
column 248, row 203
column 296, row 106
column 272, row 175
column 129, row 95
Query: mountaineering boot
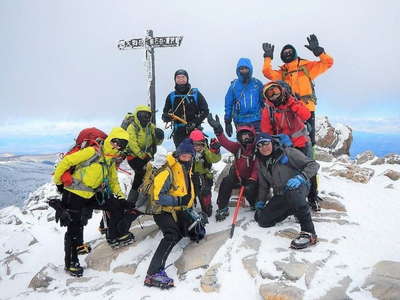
column 221, row 214
column 102, row 230
column 83, row 249
column 74, row 269
column 160, row 280
column 304, row 240
column 313, row 202
column 122, row 241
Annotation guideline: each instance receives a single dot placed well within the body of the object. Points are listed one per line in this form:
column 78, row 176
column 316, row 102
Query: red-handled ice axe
column 235, row 214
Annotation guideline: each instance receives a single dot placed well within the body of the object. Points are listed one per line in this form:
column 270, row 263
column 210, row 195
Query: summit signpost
column 148, row 44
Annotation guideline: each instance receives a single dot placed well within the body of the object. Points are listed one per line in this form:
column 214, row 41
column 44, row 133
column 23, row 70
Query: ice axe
column 235, row 214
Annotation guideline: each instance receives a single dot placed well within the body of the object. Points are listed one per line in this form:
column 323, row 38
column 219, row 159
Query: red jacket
column 245, row 165
column 288, row 119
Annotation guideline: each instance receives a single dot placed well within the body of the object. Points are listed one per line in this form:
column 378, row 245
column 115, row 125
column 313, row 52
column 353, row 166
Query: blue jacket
column 243, row 101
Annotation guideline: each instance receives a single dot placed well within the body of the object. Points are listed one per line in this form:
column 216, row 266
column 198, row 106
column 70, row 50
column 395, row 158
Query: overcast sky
column 60, row 67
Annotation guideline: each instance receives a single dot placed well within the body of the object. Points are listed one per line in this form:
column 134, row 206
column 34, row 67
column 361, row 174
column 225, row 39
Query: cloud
column 373, row 125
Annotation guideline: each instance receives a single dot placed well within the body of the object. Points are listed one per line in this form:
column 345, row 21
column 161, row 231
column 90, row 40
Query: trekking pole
column 235, row 214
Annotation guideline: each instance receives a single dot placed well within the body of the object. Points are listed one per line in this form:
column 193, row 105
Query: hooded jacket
column 296, row 78
column 244, row 163
column 141, row 139
column 203, row 162
column 243, row 101
column 87, row 179
column 283, row 164
column 287, row 118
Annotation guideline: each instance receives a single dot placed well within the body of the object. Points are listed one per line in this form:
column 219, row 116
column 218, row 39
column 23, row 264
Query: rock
column 43, row 278
column 250, row 264
column 267, row 275
column 333, row 194
column 221, row 176
column 338, row 292
column 280, row 291
column 354, row 173
column 12, row 258
column 293, row 270
column 331, row 203
column 323, row 155
column 250, row 243
column 311, row 271
column 70, row 281
column 389, row 186
column 345, row 158
column 102, row 255
column 128, row 269
column 289, row 233
column 340, row 222
column 393, row 175
column 198, row 255
column 384, row 281
column 378, row 161
column 209, row 281
column 364, row 157
column 336, row 140
column 392, row 158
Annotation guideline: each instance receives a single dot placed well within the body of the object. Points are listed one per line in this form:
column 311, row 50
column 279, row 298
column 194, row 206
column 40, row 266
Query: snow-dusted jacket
column 276, row 169
column 243, row 101
column 86, row 179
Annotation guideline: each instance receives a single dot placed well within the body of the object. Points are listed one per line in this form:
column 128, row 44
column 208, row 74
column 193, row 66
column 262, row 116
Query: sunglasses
column 199, row 144
column 263, row 143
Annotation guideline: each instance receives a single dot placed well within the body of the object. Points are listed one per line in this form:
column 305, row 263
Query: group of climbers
column 275, row 132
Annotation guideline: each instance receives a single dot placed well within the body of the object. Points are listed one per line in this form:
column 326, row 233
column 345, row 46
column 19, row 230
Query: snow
column 348, row 250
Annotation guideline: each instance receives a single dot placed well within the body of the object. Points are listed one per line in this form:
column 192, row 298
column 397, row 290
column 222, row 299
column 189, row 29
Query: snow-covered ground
column 350, row 244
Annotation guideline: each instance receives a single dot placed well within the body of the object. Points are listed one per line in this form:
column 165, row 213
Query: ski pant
column 138, row 166
column 281, row 206
column 231, row 182
column 313, row 193
column 77, row 206
column 173, row 232
column 310, row 123
column 179, row 134
column 202, row 187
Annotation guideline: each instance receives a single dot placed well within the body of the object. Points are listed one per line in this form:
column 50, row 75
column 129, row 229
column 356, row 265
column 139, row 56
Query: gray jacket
column 275, row 172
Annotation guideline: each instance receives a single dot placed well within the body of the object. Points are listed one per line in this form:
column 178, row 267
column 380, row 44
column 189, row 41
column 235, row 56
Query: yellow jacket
column 95, row 174
column 167, row 189
column 293, row 74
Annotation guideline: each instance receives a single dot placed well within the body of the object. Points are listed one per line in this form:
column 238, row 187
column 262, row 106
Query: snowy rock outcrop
column 334, row 140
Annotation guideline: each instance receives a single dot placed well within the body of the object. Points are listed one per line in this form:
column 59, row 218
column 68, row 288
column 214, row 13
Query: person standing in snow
column 243, row 99
column 299, row 73
column 287, row 171
column 202, row 176
column 95, row 185
column 243, row 171
column 185, row 107
column 174, row 192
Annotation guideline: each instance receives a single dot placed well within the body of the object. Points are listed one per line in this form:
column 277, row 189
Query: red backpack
column 88, row 137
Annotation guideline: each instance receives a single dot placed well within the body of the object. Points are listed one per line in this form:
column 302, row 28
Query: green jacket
column 203, row 162
column 142, row 140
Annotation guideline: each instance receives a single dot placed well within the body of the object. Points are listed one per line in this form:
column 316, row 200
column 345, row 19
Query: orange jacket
column 294, row 75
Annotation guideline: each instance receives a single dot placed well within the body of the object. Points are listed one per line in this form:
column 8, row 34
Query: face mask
column 144, row 118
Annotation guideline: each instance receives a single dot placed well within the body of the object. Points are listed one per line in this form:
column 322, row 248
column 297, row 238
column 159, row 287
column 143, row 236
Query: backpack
column 305, row 98
column 145, row 199
column 193, row 92
column 88, row 137
column 128, row 119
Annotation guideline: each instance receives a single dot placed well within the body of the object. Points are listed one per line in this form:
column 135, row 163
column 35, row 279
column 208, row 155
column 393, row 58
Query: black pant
column 313, row 193
column 76, row 206
column 138, row 165
column 202, row 187
column 311, row 127
column 280, row 207
column 231, row 182
column 180, row 133
column 173, row 232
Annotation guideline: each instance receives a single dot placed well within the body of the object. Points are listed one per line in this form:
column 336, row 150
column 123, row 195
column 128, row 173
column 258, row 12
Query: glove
column 284, row 140
column 250, row 185
column 228, row 128
column 295, row 182
column 215, row 145
column 313, row 45
column 166, row 118
column 63, row 216
column 184, row 200
column 215, row 124
column 60, row 188
column 259, row 205
column 268, row 50
column 159, row 134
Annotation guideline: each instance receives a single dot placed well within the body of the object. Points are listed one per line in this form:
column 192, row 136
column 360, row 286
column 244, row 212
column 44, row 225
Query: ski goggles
column 263, row 143
column 120, row 144
column 199, row 144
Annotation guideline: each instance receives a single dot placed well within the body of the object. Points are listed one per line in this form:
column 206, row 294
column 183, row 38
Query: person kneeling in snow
column 287, row 171
column 173, row 190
